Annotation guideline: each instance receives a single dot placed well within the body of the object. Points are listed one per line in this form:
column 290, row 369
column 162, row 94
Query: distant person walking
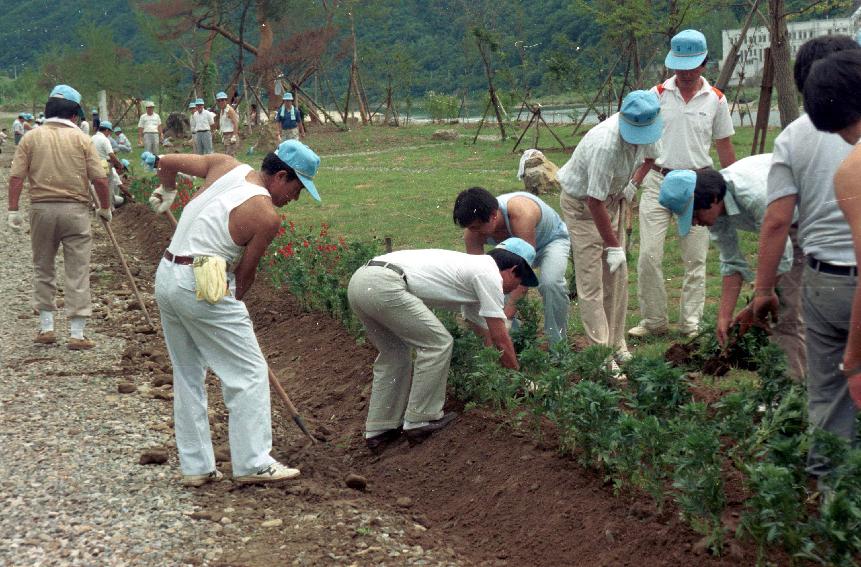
column 289, row 120
column 150, row 131
column 59, row 162
column 695, row 114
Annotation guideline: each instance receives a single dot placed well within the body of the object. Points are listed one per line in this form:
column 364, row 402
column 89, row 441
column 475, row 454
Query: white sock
column 77, row 327
column 46, row 321
column 414, row 424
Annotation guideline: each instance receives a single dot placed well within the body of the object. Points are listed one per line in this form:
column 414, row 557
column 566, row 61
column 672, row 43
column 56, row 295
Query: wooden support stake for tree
column 481, row 123
column 314, row 104
column 764, row 107
column 597, row 96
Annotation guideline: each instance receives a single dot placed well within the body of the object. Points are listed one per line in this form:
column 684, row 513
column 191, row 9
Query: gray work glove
column 630, row 191
column 615, row 258
column 161, row 199
column 16, row 220
column 105, row 214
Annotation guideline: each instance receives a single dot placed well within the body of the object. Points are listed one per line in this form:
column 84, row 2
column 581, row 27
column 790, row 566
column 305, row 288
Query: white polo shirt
column 201, row 121
column 103, row 145
column 225, row 124
column 149, row 123
column 690, row 127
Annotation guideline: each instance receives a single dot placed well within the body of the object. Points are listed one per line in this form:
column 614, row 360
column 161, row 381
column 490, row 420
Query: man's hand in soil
column 765, row 307
column 15, row 220
column 745, row 319
column 722, row 329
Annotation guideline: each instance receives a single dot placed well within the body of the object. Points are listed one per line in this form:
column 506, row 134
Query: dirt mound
column 494, row 494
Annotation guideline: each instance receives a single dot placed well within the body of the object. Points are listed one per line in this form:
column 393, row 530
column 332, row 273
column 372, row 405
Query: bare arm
column 501, row 340
column 847, row 189
column 602, row 222
column 103, row 192
column 209, row 167
column 772, row 242
column 253, row 224
column 16, row 187
column 725, row 151
column 641, row 171
column 140, row 136
column 474, row 242
column 730, row 290
column 523, row 217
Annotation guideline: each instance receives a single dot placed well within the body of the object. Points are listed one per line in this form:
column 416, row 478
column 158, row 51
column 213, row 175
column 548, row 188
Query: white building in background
column 752, row 51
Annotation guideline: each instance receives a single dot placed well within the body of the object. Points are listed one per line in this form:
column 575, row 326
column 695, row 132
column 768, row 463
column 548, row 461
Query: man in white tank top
column 235, row 210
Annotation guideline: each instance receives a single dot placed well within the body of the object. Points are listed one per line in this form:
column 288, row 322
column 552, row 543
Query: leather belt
column 396, row 269
column 181, row 260
column 199, row 131
column 662, row 170
column 832, row 269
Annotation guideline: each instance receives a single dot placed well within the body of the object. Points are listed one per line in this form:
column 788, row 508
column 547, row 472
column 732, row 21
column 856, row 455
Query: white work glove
column 105, row 214
column 630, row 191
column 16, row 220
column 161, row 199
column 615, row 258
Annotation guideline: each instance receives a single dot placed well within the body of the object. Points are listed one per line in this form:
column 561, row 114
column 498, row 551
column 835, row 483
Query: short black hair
column 814, row 50
column 831, row 93
column 61, row 108
column 505, row 260
column 272, row 164
column 475, row 203
column 709, row 189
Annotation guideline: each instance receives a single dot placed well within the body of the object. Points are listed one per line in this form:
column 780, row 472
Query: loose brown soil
column 493, row 494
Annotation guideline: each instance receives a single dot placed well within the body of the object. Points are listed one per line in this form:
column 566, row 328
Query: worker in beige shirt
column 59, row 162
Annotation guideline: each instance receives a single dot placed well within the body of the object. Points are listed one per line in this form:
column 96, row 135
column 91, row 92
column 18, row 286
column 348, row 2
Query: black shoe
column 378, row 443
column 419, row 434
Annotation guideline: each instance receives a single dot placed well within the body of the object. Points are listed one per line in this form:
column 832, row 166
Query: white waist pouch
column 210, row 278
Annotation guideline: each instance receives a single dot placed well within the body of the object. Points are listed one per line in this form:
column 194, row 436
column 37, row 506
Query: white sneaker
column 641, row 331
column 196, row 480
column 276, row 472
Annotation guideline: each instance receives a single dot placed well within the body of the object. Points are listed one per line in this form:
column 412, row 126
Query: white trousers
column 200, row 335
column 654, row 222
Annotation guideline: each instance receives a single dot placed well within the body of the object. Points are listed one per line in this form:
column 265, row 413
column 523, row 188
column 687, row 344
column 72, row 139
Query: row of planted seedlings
column 649, row 434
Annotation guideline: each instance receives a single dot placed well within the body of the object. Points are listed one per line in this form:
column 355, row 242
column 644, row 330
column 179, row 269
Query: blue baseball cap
column 221, row 95
column 125, row 163
column 640, row 120
column 304, row 162
column 192, row 104
column 118, row 129
column 527, row 252
column 198, row 101
column 677, row 195
column 106, row 125
column 287, row 96
column 148, row 159
column 66, row 92
column 688, row 50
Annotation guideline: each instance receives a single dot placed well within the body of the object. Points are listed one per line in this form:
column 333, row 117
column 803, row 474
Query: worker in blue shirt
column 289, row 120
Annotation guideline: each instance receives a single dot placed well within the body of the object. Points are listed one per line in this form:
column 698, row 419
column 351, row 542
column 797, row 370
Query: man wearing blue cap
column 202, row 121
column 150, row 129
column 123, row 143
column 726, row 202
column 393, row 295
column 59, row 162
column 597, row 186
column 486, row 219
column 695, row 114
column 289, row 120
column 208, row 267
column 111, row 162
column 228, row 123
column 18, row 130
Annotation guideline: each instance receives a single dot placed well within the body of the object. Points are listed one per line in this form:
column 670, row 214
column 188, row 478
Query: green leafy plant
column 656, row 387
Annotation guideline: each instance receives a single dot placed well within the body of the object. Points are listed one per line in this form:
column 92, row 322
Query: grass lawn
column 379, row 182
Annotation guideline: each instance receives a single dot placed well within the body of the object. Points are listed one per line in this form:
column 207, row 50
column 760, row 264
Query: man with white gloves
column 597, row 187
column 726, row 202
column 59, row 162
column 228, row 123
column 210, row 264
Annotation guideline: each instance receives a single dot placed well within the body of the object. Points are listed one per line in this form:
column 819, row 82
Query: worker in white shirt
column 228, row 124
column 149, row 129
column 202, row 121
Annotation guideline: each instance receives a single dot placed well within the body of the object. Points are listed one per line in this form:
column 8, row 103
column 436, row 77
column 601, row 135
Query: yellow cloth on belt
column 210, row 278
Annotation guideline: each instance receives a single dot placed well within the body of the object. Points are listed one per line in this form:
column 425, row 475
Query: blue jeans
column 551, row 262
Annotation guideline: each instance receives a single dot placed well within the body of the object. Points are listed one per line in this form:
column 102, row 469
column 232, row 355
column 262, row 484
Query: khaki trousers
column 66, row 223
column 654, row 222
column 602, row 296
column 398, row 324
column 788, row 333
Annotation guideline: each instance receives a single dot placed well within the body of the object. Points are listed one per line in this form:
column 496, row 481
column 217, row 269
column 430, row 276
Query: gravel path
column 72, row 491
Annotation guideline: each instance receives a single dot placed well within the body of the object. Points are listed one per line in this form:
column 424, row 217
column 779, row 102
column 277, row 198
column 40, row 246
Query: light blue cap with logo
column 526, row 251
column 192, row 104
column 125, row 163
column 688, row 50
column 148, row 159
column 304, row 162
column 677, row 195
column 105, row 124
column 221, row 95
column 198, row 101
column 640, row 120
column 287, row 96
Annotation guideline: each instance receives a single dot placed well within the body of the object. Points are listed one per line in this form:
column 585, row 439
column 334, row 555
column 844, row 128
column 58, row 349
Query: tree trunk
column 732, row 57
column 787, row 95
column 264, row 50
